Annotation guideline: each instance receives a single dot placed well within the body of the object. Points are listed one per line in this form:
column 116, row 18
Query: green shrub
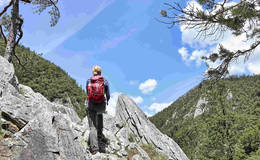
column 21, row 91
column 131, row 137
column 152, row 153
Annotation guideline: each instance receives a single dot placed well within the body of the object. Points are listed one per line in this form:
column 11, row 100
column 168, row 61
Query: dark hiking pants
column 95, row 120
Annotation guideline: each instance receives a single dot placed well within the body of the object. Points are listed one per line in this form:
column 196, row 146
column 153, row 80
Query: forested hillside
column 216, row 120
column 47, row 78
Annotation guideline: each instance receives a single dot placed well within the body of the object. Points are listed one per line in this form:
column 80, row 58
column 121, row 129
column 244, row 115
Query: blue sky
column 139, row 56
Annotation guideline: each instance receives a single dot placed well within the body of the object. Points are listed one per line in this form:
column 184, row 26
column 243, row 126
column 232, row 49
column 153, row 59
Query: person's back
column 98, row 95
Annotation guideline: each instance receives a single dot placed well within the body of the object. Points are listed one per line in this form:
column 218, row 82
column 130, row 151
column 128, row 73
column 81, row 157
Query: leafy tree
column 13, row 24
column 241, row 17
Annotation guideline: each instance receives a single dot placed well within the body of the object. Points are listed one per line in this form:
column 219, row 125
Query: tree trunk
column 10, row 47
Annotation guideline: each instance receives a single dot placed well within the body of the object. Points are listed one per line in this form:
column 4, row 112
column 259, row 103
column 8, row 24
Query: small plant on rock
column 131, row 137
column 152, row 153
column 131, row 153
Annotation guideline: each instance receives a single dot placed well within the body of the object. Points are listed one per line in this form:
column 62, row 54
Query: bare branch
column 54, row 3
column 26, row 1
column 6, row 7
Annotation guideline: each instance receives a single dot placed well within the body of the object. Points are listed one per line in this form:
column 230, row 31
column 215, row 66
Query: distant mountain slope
column 47, row 78
column 216, row 121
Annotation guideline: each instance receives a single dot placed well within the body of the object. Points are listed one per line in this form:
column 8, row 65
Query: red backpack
column 96, row 89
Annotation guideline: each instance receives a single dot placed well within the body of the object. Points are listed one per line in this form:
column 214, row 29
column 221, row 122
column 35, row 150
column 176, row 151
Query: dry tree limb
column 6, row 7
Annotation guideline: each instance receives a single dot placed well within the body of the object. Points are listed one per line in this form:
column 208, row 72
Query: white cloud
column 195, row 55
column 111, row 108
column 138, row 100
column 3, row 2
column 184, row 53
column 157, row 107
column 148, row 86
column 148, row 114
column 237, row 67
column 254, row 68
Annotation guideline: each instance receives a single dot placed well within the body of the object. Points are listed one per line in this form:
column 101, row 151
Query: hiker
column 97, row 98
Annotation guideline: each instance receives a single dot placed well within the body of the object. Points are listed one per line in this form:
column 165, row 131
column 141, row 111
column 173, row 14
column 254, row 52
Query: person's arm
column 107, row 90
column 87, row 86
column 86, row 101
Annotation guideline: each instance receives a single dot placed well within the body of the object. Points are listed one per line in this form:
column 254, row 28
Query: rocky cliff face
column 36, row 129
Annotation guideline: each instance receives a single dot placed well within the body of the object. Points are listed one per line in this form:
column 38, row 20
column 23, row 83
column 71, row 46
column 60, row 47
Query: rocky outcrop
column 36, row 128
column 44, row 130
column 199, row 107
column 128, row 113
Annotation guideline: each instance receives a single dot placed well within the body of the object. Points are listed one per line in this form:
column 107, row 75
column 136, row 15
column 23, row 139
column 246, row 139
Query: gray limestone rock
column 122, row 153
column 123, row 136
column 20, row 110
column 128, row 112
column 137, row 157
column 143, row 154
column 7, row 78
column 50, row 136
column 199, row 109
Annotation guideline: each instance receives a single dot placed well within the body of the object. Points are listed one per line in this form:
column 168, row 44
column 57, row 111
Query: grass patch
column 131, row 153
column 150, row 150
column 21, row 91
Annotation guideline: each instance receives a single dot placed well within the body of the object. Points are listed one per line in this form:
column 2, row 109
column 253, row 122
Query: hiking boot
column 93, row 152
column 102, row 138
